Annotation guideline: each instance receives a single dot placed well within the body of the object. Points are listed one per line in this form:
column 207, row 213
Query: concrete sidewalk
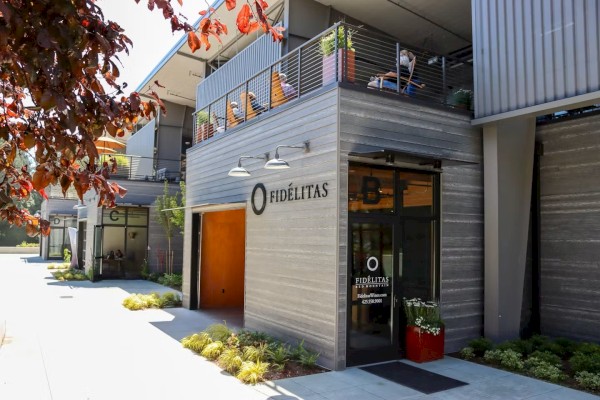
column 75, row 341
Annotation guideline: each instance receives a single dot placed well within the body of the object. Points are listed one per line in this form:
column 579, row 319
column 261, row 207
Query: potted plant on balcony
column 424, row 330
column 462, row 98
column 345, row 54
column 204, row 126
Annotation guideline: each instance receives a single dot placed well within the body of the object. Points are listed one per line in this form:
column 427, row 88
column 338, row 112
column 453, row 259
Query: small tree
column 169, row 218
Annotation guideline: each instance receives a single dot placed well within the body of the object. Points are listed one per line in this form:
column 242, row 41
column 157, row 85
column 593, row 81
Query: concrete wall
column 371, row 121
column 291, row 248
column 570, row 228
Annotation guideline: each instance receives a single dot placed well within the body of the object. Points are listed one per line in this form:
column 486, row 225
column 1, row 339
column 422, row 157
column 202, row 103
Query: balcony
column 354, row 57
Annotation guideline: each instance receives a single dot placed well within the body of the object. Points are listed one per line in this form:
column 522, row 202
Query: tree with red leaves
column 55, row 56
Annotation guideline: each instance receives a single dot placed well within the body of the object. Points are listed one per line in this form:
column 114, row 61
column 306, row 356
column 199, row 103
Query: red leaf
column 204, row 40
column 180, row 2
column 193, row 41
column 230, row 4
column 243, row 19
column 43, row 193
column 202, row 13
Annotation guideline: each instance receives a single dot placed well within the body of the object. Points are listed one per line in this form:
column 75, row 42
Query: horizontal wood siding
column 402, row 125
column 570, row 228
column 290, row 276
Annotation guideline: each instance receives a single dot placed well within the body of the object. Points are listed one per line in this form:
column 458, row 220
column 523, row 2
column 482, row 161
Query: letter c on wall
column 263, row 191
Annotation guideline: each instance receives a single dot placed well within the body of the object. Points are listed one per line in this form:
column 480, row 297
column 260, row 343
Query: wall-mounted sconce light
column 132, row 235
column 240, row 171
column 278, row 163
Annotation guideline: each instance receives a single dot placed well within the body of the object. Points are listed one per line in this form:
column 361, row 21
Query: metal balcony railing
column 343, row 53
column 134, row 168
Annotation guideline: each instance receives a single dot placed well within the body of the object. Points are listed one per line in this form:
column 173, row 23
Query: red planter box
column 423, row 346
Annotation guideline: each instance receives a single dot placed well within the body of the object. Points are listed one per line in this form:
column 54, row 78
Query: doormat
column 413, row 377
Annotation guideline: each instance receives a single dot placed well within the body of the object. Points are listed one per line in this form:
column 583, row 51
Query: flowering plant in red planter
column 424, row 330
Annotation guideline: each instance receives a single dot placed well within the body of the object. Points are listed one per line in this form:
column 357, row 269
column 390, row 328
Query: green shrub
column 172, row 280
column 548, row 357
column 252, row 372
column 467, row 353
column 544, row 370
column 219, row 332
column 589, row 362
column 523, row 347
column 230, row 360
column 213, row 350
column 255, row 353
column 309, row 359
column 568, row 347
column 196, row 342
column 279, row 355
column 233, row 340
column 481, row 345
column 588, row 380
column 588, row 348
column 27, row 244
column 68, row 275
column 509, row 359
column 67, row 255
column 140, row 301
column 252, row 338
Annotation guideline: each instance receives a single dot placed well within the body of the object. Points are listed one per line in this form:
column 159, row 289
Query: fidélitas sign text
column 260, row 196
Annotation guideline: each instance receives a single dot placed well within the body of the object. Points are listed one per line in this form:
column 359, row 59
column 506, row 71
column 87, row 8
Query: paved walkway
column 75, row 341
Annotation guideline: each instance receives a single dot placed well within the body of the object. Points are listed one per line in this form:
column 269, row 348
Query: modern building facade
column 399, row 189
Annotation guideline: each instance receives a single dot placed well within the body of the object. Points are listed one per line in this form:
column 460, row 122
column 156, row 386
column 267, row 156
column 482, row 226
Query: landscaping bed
column 139, row 301
column 250, row 356
column 561, row 361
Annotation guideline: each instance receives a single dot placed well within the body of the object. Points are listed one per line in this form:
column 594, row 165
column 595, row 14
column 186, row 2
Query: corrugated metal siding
column 291, row 249
column 570, row 228
column 256, row 57
column 370, row 119
column 530, row 52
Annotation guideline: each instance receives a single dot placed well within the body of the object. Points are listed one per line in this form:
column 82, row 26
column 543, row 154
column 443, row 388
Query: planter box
column 204, row 131
column 423, row 346
column 329, row 67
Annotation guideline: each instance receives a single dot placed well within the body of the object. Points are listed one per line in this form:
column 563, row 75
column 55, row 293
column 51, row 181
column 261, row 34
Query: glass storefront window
column 137, row 217
column 114, row 216
column 417, row 194
column 370, row 189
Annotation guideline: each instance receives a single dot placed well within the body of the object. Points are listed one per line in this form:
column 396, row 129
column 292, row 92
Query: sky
column 150, row 33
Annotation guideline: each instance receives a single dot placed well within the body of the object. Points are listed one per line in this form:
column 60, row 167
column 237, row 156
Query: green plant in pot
column 327, row 45
column 204, row 128
column 462, row 98
column 346, row 62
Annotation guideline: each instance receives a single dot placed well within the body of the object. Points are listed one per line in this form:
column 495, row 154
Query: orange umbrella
column 105, row 150
column 109, row 143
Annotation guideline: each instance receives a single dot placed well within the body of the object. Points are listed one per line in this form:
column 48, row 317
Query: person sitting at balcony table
column 258, row 109
column 409, row 80
column 237, row 113
column 111, row 255
column 288, row 90
column 119, row 254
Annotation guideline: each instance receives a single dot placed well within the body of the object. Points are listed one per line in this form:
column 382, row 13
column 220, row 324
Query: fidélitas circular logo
column 263, row 192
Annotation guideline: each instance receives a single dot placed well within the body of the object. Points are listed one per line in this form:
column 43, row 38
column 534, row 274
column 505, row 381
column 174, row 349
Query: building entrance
column 393, row 254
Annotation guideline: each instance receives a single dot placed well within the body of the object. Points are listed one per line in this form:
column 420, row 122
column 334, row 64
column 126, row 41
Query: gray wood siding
column 570, row 228
column 530, row 52
column 290, row 277
column 391, row 123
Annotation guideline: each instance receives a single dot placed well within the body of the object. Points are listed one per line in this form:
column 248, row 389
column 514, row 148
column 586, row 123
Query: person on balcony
column 409, row 81
column 288, row 90
column 237, row 113
column 256, row 106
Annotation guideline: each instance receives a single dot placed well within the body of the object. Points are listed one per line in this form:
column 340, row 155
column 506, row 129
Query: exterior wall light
column 240, row 171
column 278, row 163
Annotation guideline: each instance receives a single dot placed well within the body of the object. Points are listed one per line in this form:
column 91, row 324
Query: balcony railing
column 355, row 56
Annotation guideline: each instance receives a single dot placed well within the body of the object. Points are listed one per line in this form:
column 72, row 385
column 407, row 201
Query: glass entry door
column 393, row 236
column 374, row 310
